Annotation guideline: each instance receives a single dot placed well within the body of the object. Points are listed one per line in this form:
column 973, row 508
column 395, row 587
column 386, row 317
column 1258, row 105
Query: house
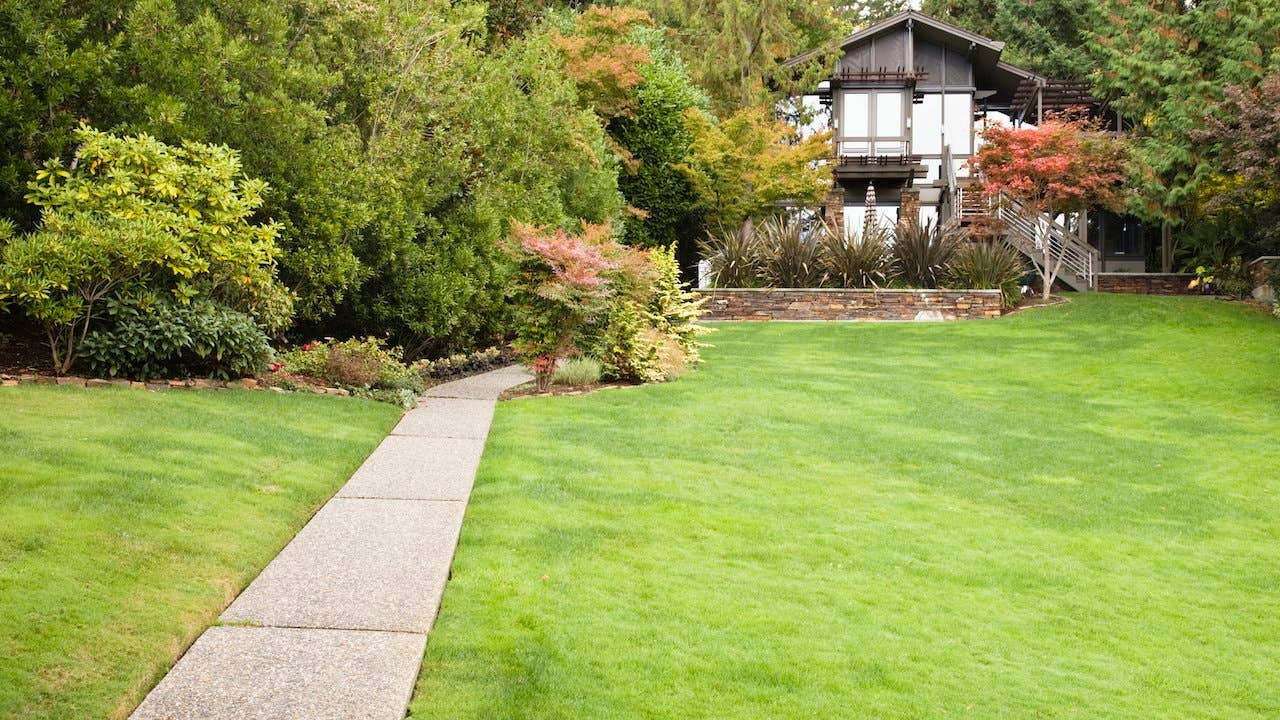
column 908, row 97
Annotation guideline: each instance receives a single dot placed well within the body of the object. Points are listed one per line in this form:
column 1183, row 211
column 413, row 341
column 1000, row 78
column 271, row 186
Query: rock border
column 158, row 385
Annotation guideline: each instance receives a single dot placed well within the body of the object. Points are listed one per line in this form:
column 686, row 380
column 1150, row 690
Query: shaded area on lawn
column 131, row 518
column 1069, row 512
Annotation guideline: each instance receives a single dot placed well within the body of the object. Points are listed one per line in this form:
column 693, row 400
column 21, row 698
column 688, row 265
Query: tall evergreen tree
column 735, row 48
column 1053, row 37
column 1165, row 64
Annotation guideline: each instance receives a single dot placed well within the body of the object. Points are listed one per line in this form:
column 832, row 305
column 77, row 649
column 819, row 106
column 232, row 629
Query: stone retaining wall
column 1146, row 283
column 831, row 304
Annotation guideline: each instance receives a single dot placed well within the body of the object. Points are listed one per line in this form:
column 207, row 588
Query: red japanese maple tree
column 1062, row 166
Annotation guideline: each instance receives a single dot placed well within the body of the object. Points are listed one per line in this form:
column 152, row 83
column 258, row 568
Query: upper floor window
column 873, row 122
column 940, row 120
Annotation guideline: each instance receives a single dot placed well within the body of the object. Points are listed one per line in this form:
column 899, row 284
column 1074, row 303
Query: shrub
column 627, row 349
column 367, row 367
column 850, row 260
column 1274, row 280
column 988, row 265
column 561, row 286
column 1231, row 279
column 171, row 339
column 1234, row 279
column 134, row 216
column 673, row 309
column 650, row 333
column 578, row 371
column 789, row 256
column 734, row 258
column 922, row 252
column 459, row 363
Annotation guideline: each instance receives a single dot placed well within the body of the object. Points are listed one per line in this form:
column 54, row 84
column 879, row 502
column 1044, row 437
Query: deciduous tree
column 1061, row 166
column 750, row 164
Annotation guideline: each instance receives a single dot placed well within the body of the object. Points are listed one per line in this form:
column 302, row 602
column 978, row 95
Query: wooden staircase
column 1080, row 261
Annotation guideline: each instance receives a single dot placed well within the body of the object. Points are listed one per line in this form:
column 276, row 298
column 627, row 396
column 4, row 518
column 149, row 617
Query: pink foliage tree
column 562, row 284
column 1062, row 166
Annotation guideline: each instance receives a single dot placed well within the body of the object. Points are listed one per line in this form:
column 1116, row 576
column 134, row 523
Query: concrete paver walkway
column 335, row 627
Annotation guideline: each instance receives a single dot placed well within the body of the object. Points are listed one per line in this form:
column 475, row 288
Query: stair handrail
column 1078, row 258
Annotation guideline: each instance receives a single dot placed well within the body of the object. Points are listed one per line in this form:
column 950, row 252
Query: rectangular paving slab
column 481, row 387
column 418, row 468
column 248, row 673
column 360, row 564
column 448, row 418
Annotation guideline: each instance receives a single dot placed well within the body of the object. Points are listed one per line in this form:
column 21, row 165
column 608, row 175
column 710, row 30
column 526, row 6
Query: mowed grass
column 128, row 520
column 1072, row 512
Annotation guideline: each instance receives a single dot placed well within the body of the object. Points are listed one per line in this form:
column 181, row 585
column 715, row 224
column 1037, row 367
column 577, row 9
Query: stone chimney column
column 833, row 206
column 910, row 211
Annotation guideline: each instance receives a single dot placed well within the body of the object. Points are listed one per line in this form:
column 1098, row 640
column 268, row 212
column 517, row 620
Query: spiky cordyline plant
column 988, row 265
column 921, row 252
column 734, row 257
column 790, row 257
column 853, row 260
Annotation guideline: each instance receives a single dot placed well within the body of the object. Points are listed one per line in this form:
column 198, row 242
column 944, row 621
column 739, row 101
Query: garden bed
column 850, row 305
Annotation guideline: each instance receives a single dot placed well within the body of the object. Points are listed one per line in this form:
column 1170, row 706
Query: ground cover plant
column 130, row 519
column 1067, row 512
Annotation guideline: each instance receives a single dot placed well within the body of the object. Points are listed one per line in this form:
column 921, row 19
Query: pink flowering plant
column 563, row 284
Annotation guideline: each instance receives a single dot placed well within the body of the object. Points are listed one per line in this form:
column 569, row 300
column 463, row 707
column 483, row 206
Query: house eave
column 904, row 16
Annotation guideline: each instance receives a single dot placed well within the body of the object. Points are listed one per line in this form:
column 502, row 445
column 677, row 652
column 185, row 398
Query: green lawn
column 1073, row 512
column 129, row 519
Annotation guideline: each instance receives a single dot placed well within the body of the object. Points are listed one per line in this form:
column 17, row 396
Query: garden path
column 335, row 627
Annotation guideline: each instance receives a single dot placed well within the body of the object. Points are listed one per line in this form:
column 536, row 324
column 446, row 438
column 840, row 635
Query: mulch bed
column 528, row 390
column 1036, row 301
column 24, row 350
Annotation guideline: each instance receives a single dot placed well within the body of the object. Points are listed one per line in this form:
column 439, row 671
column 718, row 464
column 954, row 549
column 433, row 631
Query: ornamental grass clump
column 922, row 252
column 988, row 265
column 790, row 255
column 734, row 257
column 578, row 371
column 853, row 260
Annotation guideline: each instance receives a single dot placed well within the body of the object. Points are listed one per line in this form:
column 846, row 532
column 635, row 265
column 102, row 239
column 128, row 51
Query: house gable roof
column 931, row 25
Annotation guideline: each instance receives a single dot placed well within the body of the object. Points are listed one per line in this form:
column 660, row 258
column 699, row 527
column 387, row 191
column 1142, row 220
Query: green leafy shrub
column 578, row 371
column 734, row 257
column 789, row 256
column 988, row 265
column 147, row 340
column 1231, row 279
column 922, row 252
column 134, row 216
column 852, row 260
column 650, row 333
column 1234, row 279
column 1274, row 281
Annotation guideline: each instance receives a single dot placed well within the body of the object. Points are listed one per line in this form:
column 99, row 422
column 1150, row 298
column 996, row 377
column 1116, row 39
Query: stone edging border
column 157, row 385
